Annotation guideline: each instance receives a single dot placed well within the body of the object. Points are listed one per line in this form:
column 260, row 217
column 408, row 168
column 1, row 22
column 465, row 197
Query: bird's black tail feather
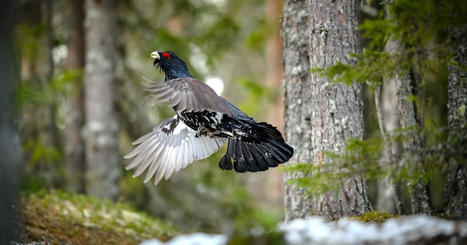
column 259, row 155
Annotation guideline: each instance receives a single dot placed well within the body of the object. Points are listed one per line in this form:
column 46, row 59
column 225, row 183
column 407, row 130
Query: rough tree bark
column 101, row 136
column 455, row 193
column 336, row 109
column 297, row 99
column 74, row 144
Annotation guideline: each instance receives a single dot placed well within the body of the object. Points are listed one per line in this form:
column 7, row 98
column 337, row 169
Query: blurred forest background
column 233, row 43
column 80, row 104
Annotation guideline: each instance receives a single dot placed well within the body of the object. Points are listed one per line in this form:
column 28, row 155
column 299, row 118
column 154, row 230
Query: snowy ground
column 410, row 229
column 417, row 229
column 191, row 239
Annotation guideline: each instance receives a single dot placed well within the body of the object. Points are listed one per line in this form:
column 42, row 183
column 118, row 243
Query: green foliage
column 256, row 92
column 363, row 157
column 46, row 93
column 40, row 152
column 258, row 36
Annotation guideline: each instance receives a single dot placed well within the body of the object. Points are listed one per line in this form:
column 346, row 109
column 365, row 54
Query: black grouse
column 203, row 122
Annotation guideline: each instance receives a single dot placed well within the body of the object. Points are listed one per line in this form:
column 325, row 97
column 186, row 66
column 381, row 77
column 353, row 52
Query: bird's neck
column 178, row 70
column 169, row 75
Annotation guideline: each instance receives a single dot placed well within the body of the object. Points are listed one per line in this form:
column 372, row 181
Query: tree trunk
column 455, row 193
column 411, row 117
column 386, row 99
column 388, row 119
column 74, row 145
column 101, row 136
column 10, row 147
column 336, row 109
column 49, row 132
column 297, row 99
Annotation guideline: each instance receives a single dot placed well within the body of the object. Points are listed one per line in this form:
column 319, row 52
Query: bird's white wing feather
column 171, row 146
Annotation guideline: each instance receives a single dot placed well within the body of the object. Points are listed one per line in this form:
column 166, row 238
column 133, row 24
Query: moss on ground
column 373, row 216
column 66, row 218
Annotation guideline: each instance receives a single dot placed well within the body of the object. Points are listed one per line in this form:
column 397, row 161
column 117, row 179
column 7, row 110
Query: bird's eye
column 167, row 55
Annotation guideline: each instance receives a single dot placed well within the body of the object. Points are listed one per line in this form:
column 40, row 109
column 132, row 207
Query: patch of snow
column 318, row 230
column 191, row 239
column 152, row 242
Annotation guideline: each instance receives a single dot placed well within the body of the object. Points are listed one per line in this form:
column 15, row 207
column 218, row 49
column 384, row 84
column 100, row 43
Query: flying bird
column 202, row 124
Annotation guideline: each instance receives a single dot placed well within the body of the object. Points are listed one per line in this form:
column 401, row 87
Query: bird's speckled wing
column 171, row 146
column 190, row 94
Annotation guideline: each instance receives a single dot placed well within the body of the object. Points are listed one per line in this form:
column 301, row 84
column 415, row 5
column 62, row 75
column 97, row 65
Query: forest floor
column 64, row 218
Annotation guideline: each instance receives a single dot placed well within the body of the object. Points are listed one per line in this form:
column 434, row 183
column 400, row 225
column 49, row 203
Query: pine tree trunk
column 297, row 99
column 321, row 116
column 74, row 145
column 336, row 109
column 455, row 193
column 101, row 136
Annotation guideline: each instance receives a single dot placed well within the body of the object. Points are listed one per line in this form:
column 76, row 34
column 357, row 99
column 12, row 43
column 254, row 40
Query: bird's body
column 203, row 122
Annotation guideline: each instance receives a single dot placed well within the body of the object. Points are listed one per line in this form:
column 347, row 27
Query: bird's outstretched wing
column 189, row 94
column 171, row 146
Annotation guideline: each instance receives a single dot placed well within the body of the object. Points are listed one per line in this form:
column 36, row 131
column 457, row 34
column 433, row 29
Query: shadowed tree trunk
column 413, row 144
column 50, row 134
column 297, row 99
column 74, row 145
column 455, row 193
column 411, row 119
column 101, row 136
column 336, row 109
column 10, row 147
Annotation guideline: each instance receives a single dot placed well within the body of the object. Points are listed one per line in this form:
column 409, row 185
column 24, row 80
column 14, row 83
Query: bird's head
column 170, row 64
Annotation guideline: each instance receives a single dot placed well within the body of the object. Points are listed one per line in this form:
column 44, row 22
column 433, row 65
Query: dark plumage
column 202, row 124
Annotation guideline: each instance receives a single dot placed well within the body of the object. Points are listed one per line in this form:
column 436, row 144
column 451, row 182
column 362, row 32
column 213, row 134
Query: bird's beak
column 155, row 55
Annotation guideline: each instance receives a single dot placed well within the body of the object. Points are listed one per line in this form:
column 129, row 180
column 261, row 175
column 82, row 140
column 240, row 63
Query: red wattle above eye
column 166, row 55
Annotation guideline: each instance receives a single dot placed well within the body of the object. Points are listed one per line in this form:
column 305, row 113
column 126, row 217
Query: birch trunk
column 297, row 99
column 101, row 137
column 74, row 145
column 336, row 109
